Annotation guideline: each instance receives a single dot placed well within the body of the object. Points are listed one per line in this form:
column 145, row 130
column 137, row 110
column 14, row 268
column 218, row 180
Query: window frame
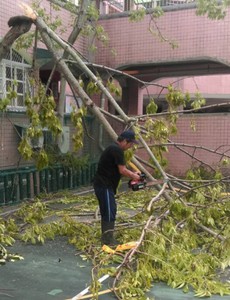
column 14, row 68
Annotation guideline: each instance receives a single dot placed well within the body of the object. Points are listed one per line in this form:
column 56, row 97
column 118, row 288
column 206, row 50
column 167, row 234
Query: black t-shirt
column 107, row 172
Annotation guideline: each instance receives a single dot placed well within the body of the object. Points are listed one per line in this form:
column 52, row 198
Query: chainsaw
column 137, row 185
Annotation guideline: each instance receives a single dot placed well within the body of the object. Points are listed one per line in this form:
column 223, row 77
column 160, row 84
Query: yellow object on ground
column 122, row 247
column 126, row 246
column 108, row 249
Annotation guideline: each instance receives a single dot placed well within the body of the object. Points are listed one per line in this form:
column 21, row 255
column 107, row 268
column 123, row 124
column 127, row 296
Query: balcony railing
column 115, row 6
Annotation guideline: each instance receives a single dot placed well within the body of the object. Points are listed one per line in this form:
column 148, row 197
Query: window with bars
column 74, row 2
column 14, row 73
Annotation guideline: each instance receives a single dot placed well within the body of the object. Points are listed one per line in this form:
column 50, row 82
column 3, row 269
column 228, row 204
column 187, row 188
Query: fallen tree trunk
column 19, row 26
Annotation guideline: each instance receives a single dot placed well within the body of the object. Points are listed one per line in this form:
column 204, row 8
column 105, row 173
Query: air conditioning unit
column 36, row 143
column 65, row 140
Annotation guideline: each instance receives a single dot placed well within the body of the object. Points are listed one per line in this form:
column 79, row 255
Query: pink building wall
column 134, row 43
column 200, row 39
column 10, row 138
column 212, row 132
column 212, row 86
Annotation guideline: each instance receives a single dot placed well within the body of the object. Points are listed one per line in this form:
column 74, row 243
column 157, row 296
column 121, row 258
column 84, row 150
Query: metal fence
column 123, row 5
column 20, row 184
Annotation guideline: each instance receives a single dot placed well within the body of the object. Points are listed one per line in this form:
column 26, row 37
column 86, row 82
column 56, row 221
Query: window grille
column 73, row 1
column 148, row 4
column 14, row 73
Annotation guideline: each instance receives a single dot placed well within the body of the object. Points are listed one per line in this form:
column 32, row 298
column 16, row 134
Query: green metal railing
column 25, row 183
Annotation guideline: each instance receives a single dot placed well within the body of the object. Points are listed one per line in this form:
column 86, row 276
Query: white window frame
column 75, row 2
column 4, row 78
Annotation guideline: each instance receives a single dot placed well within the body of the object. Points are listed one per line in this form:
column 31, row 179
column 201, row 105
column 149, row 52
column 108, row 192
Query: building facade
column 135, row 52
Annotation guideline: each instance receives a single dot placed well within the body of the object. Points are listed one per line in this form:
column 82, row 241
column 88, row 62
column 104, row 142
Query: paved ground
column 53, row 271
column 49, row 271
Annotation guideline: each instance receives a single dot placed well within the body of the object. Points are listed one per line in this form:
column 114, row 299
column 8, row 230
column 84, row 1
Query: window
column 70, row 103
column 74, row 2
column 148, row 3
column 13, row 68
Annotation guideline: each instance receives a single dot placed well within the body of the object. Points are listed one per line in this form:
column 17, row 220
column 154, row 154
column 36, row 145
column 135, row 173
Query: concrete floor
column 53, row 271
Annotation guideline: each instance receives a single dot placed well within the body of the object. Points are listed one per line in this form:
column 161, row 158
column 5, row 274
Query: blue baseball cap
column 129, row 135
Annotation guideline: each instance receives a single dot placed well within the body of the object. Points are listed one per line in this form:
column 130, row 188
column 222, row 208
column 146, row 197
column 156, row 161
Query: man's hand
column 136, row 176
column 126, row 172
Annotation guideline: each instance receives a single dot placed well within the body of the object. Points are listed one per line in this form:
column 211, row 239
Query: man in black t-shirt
column 111, row 167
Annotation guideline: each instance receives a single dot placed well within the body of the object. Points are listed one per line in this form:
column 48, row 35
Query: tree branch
column 19, row 26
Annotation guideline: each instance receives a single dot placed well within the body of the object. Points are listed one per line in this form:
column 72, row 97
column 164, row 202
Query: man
column 111, row 167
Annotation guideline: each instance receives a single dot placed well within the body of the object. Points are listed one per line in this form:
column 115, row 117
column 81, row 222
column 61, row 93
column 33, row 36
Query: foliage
column 198, row 101
column 214, row 9
column 7, row 234
column 92, row 29
column 137, row 15
column 177, row 251
column 5, row 256
column 3, row 104
column 26, row 41
column 11, row 95
column 32, row 214
column 114, row 88
column 67, row 160
column 92, row 88
column 161, row 128
column 157, row 12
column 40, row 109
column 77, row 119
column 151, row 107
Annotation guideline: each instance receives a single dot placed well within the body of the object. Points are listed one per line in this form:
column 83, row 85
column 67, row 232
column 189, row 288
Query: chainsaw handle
column 134, row 167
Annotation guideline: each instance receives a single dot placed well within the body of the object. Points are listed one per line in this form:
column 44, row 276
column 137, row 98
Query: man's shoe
column 109, row 241
column 107, row 238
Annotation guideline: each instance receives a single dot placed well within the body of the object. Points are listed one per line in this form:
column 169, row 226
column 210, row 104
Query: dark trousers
column 107, row 203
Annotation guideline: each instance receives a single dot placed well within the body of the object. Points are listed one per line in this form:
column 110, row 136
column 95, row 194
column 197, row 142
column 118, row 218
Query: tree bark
column 78, row 25
column 49, row 37
column 19, row 26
